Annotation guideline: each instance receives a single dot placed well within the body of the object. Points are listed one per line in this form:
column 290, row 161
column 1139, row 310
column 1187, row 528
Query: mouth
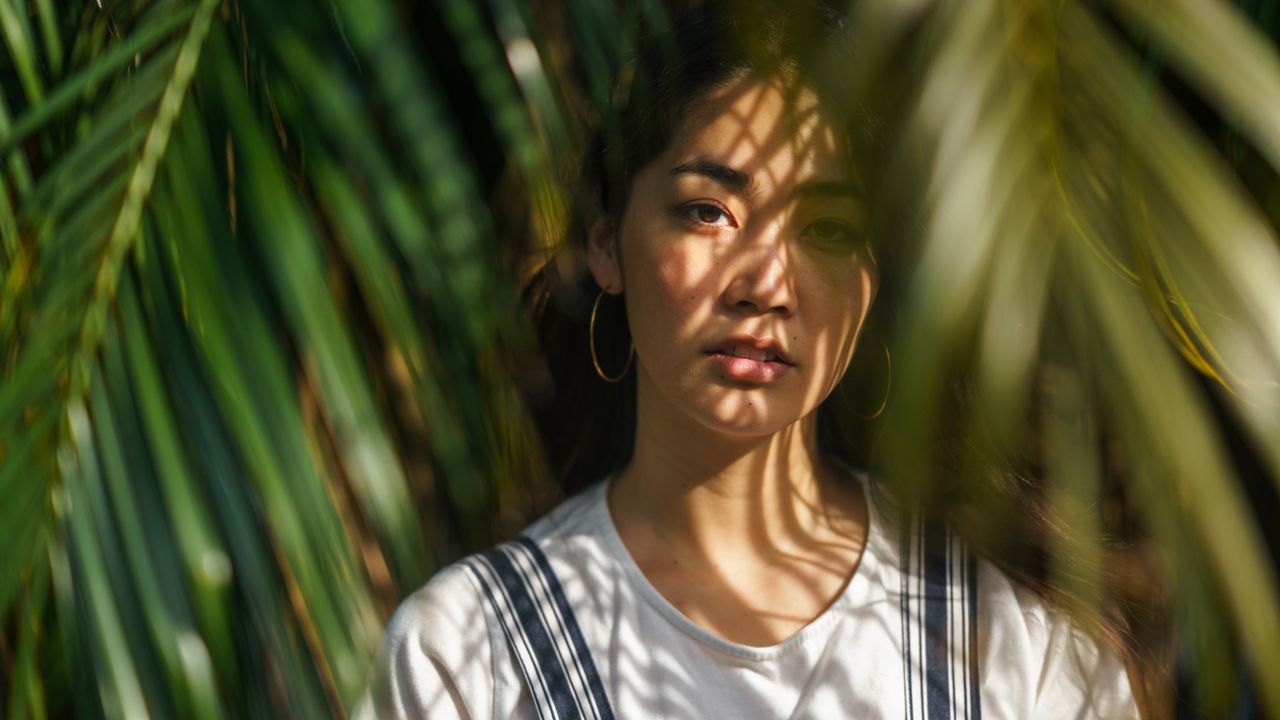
column 764, row 350
column 749, row 359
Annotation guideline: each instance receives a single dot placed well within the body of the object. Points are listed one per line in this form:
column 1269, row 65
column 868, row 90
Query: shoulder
column 436, row 655
column 448, row 601
column 443, row 654
column 1040, row 661
column 1034, row 660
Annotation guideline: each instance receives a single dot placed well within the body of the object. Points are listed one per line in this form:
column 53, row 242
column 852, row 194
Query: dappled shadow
column 747, row 233
column 659, row 659
column 726, row 482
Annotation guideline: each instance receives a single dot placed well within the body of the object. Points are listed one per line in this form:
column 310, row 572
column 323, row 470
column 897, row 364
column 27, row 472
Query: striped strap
column 939, row 625
column 541, row 630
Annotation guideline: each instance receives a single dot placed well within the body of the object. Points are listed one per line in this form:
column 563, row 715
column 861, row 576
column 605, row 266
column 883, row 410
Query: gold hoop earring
column 888, row 385
column 591, row 341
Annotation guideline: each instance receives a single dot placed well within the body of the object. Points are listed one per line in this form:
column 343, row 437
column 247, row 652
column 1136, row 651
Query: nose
column 761, row 280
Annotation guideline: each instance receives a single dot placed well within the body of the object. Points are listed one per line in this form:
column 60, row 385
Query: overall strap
column 541, row 630
column 939, row 625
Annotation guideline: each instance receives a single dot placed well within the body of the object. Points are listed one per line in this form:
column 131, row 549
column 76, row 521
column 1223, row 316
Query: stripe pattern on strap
column 525, row 595
column 939, row 625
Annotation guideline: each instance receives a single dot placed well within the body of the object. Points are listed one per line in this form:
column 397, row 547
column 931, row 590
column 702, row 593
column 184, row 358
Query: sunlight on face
column 746, row 238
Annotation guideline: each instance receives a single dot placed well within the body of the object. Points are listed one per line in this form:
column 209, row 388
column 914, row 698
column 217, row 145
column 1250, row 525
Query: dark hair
column 588, row 425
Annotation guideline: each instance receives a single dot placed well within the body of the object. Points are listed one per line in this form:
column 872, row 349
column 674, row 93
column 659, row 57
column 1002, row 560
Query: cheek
column 842, row 301
column 672, row 283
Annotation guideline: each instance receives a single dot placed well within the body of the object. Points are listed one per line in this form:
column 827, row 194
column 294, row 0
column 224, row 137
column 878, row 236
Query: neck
column 701, row 492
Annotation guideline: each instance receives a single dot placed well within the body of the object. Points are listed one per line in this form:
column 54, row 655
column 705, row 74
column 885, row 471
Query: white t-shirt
column 444, row 654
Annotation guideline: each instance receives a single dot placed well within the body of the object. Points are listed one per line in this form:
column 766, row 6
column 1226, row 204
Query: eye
column 707, row 214
column 832, row 231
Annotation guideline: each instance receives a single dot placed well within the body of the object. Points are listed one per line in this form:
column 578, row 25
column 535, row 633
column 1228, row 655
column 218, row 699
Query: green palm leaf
column 257, row 319
column 90, row 288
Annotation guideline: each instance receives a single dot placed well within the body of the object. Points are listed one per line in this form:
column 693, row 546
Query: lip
column 769, row 345
column 747, row 369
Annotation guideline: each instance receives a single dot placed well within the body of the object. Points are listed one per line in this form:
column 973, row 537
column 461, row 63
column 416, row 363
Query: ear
column 602, row 257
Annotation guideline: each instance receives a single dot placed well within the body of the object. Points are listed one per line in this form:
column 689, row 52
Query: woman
column 721, row 560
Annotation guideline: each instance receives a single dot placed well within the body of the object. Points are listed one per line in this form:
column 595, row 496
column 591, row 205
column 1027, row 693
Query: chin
column 749, row 419
column 733, row 410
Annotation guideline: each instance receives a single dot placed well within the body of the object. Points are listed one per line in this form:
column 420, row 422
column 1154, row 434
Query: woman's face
column 744, row 261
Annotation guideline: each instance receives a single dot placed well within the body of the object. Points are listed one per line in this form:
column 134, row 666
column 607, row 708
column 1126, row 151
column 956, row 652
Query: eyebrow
column 723, row 174
column 743, row 183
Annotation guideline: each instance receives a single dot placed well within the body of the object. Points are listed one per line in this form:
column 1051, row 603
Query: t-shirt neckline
column 854, row 591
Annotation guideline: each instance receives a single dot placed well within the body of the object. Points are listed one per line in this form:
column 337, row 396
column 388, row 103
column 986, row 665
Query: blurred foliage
column 262, row 340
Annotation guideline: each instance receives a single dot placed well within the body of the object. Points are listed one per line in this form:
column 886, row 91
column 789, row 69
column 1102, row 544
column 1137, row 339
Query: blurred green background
column 263, row 349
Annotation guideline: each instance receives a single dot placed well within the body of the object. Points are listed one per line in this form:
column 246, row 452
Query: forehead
column 771, row 130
